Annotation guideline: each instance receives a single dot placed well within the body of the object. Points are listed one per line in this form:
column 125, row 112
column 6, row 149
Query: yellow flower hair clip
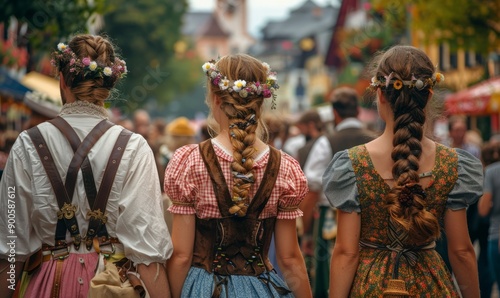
column 397, row 84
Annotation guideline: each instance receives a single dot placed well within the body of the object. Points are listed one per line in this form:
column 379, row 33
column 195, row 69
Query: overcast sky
column 260, row 11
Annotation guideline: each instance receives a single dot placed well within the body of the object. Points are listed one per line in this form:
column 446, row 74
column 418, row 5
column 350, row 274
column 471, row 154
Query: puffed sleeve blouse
column 339, row 182
column 188, row 184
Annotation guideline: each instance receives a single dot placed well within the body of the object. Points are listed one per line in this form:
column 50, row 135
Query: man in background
column 478, row 226
column 349, row 132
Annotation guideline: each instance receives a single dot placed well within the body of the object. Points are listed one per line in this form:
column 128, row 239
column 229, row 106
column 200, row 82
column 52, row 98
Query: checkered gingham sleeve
column 188, row 184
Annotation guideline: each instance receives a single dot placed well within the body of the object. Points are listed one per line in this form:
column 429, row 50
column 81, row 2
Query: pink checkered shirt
column 188, row 184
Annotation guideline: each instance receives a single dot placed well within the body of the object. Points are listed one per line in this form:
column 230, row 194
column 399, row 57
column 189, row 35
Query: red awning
column 480, row 99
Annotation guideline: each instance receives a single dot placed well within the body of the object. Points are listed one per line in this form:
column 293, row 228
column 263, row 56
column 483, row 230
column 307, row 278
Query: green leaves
column 473, row 25
column 146, row 33
column 50, row 21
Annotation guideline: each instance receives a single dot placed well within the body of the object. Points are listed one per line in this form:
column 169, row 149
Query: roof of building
column 202, row 24
column 193, row 22
column 303, row 21
column 212, row 28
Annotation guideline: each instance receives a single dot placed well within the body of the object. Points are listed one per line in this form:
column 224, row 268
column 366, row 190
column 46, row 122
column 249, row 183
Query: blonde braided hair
column 245, row 124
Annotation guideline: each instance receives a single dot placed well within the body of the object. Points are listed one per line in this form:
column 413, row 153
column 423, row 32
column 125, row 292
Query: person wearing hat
column 178, row 133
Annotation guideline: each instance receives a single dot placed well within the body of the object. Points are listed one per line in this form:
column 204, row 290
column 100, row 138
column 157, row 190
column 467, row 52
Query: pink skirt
column 77, row 271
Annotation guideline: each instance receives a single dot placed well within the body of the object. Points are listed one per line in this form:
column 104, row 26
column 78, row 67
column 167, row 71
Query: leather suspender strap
column 67, row 210
column 81, row 155
column 220, row 186
column 56, row 286
column 267, row 184
column 97, row 215
column 82, row 152
column 80, row 159
column 74, row 141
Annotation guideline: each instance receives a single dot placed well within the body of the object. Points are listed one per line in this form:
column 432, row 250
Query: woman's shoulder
column 459, row 156
column 183, row 156
column 287, row 161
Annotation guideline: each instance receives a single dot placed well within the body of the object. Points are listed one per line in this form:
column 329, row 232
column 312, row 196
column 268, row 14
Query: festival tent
column 25, row 103
column 481, row 99
column 9, row 86
column 45, row 99
column 44, row 84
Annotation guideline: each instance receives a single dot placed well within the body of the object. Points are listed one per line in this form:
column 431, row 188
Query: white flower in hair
column 239, row 84
column 61, row 46
column 107, row 71
column 419, row 84
column 266, row 66
column 271, row 76
column 224, row 84
column 207, row 66
column 93, row 65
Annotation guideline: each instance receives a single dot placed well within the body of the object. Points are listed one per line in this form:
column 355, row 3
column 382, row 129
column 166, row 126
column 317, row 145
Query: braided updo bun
column 94, row 88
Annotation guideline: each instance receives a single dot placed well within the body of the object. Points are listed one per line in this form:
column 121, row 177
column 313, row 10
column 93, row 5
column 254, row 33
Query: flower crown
column 241, row 87
column 86, row 67
column 420, row 84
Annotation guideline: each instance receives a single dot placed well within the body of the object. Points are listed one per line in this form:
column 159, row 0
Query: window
column 454, row 60
column 470, row 59
column 444, row 57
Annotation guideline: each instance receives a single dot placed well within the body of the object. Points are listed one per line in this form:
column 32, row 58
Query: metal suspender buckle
column 60, row 251
column 104, row 245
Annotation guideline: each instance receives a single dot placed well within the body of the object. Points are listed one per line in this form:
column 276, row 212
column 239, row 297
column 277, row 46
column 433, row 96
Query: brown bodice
column 234, row 245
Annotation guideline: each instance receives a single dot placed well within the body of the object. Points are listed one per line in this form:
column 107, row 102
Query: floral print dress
column 352, row 184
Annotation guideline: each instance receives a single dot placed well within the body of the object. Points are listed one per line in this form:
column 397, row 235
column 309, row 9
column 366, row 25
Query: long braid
column 242, row 132
column 406, row 202
column 244, row 121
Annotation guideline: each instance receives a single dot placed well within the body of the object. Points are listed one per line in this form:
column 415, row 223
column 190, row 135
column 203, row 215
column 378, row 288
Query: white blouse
column 134, row 208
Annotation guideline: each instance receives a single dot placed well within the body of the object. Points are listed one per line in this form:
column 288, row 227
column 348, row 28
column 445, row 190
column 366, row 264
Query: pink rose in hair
column 72, row 61
column 216, row 80
column 86, row 61
column 266, row 93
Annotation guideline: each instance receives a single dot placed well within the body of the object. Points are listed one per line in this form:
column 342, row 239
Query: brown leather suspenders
column 64, row 192
column 97, row 214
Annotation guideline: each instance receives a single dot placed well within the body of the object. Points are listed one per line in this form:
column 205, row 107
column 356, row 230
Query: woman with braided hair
column 232, row 192
column 396, row 193
column 86, row 197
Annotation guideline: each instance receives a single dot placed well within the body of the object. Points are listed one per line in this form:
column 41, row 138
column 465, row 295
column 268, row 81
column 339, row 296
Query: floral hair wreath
column 86, row 67
column 241, row 87
column 420, row 84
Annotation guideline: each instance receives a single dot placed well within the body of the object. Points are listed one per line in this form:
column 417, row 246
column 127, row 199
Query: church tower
column 233, row 18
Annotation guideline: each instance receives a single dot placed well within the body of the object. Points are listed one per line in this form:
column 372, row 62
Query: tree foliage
column 146, row 33
column 473, row 25
column 49, row 21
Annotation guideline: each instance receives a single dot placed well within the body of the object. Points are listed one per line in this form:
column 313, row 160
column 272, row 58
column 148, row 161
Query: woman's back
column 376, row 261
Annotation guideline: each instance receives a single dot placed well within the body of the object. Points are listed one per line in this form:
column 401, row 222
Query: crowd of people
column 248, row 204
